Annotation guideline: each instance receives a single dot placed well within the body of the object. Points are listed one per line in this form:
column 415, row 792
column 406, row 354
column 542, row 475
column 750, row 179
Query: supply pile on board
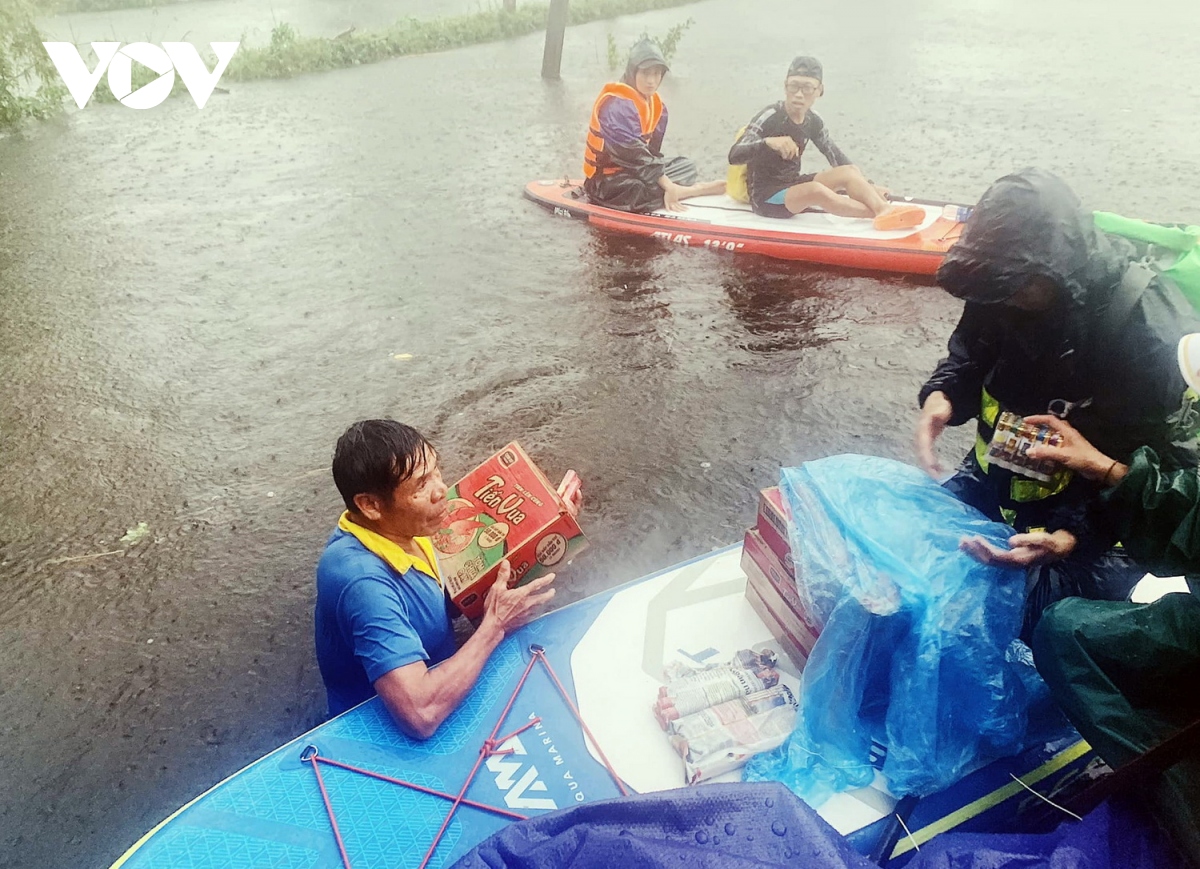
column 716, row 717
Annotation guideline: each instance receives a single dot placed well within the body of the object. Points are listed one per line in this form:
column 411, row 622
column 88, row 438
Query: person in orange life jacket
column 623, row 163
column 771, row 147
column 382, row 617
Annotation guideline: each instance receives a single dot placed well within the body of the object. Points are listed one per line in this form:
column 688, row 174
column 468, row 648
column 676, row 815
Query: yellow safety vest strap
column 1021, row 490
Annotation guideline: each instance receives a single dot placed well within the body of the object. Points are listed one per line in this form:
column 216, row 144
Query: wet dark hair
column 374, row 456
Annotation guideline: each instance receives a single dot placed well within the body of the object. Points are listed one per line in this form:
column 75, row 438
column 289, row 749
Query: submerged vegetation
column 668, row 43
column 29, row 84
column 67, row 7
column 289, row 53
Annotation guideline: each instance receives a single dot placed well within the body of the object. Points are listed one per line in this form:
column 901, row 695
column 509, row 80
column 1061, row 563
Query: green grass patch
column 291, row 54
column 29, row 84
column 69, row 7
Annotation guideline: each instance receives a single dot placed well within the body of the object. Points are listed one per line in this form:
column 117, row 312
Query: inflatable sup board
column 561, row 715
column 721, row 223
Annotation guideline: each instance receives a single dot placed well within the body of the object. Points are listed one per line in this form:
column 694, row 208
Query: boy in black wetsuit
column 771, row 147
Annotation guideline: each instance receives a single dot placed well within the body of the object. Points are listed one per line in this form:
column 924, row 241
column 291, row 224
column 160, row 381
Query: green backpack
column 1174, row 249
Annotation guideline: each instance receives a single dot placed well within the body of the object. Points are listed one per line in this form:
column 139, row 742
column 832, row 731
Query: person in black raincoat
column 1058, row 318
column 623, row 163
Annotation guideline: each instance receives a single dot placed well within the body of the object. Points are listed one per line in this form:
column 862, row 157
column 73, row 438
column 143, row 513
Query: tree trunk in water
column 556, row 29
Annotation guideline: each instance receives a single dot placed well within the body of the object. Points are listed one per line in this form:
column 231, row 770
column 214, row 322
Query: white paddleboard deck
column 695, row 613
column 728, row 212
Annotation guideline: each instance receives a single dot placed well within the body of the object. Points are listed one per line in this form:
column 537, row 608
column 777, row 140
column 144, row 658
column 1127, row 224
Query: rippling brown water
column 195, row 304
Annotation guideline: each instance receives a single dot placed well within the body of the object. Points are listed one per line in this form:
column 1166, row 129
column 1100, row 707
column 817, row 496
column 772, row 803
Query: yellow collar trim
column 390, row 551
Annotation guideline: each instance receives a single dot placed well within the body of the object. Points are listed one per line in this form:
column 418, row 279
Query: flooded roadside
column 196, row 304
column 248, row 21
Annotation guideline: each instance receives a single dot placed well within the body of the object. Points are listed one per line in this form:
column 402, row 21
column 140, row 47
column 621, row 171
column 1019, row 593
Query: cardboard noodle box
column 791, row 644
column 757, row 550
column 789, row 628
column 505, row 508
column 772, row 525
column 799, row 631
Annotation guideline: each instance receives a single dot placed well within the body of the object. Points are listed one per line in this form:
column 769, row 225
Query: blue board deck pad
column 608, row 652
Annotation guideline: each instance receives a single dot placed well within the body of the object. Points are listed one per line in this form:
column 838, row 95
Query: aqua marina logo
column 117, row 61
column 518, row 782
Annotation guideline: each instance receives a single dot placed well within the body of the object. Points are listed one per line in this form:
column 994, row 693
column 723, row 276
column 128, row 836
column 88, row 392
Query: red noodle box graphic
column 505, row 508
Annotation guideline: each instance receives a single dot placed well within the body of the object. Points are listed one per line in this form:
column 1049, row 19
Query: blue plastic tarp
column 916, row 660
column 756, row 826
column 1116, row 835
column 730, row 826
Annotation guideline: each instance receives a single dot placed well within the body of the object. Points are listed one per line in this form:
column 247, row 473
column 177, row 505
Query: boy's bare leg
column 858, row 188
column 674, row 194
column 813, row 194
column 707, row 188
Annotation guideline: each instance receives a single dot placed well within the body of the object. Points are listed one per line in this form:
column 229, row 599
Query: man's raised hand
column 784, row 146
column 509, row 608
column 571, row 492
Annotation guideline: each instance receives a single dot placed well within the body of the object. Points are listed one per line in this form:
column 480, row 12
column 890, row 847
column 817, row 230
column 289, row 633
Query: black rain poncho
column 1104, row 348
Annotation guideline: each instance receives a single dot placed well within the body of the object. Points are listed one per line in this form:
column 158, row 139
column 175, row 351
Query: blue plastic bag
column 913, row 661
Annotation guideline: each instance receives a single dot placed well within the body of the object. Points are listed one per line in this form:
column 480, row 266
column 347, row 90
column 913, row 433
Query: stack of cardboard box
column 771, row 578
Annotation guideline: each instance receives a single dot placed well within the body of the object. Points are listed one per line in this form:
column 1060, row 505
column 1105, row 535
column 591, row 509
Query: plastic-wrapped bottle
column 708, row 688
column 957, row 213
column 732, row 710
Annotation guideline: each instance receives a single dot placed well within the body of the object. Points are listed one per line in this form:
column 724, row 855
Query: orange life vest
column 649, row 111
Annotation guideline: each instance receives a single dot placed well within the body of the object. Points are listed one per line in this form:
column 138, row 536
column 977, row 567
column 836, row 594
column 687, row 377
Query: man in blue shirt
column 382, row 616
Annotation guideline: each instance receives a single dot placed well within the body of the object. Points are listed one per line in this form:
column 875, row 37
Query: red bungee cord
column 490, row 748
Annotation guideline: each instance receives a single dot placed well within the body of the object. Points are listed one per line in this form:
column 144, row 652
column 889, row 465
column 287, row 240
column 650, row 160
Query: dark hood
column 646, row 50
column 1030, row 224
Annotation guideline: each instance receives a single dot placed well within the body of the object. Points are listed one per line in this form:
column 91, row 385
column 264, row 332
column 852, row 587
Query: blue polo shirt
column 372, row 618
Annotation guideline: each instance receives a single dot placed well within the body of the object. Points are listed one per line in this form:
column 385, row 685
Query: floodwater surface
column 197, row 303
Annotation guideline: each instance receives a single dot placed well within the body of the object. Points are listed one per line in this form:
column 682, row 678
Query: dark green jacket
column 1156, row 513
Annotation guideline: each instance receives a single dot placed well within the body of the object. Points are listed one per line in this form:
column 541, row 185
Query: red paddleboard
column 721, row 223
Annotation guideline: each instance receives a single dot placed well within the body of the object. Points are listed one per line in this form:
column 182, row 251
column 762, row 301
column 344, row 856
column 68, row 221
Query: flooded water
column 196, row 304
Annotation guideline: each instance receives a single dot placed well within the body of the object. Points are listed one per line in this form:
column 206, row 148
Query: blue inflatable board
column 608, row 652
